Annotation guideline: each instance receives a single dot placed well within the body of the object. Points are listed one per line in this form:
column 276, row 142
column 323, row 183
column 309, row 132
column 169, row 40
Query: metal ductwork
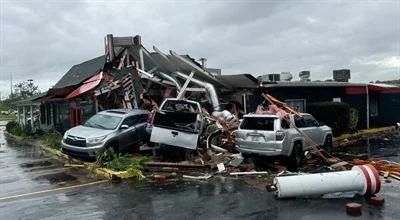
column 209, row 88
column 171, row 79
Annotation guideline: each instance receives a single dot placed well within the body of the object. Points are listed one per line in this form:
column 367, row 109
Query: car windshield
column 107, row 122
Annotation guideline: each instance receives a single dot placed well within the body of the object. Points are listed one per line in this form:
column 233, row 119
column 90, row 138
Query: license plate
column 254, row 138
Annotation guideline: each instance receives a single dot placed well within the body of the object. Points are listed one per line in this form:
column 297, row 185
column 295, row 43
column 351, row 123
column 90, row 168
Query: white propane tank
column 363, row 179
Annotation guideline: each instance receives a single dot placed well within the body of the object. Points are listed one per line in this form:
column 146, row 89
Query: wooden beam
column 110, row 47
column 182, row 92
column 121, row 62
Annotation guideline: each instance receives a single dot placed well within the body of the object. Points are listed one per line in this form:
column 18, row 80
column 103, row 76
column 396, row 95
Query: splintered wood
column 387, row 168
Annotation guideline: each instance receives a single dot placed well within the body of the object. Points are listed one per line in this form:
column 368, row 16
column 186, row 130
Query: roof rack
column 117, row 112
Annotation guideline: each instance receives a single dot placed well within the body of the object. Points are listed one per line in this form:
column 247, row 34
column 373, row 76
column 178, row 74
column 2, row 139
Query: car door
column 317, row 132
column 301, row 124
column 128, row 136
column 312, row 128
column 140, row 125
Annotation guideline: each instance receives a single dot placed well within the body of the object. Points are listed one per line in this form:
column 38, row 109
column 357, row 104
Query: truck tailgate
column 174, row 137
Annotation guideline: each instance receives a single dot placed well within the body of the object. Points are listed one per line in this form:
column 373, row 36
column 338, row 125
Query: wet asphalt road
column 217, row 198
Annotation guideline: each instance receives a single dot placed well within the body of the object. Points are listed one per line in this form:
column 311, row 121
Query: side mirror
column 123, row 127
column 321, row 124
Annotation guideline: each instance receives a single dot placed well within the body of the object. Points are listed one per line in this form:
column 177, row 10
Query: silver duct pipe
column 209, row 88
column 171, row 79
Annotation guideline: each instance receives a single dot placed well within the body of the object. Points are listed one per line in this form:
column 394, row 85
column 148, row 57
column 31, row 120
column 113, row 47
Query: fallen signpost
column 358, row 179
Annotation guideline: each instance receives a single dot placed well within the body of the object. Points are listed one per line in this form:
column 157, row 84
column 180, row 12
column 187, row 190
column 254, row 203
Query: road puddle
column 57, row 178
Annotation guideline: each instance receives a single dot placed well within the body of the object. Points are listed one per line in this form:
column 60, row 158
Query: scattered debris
column 236, row 161
column 376, row 200
column 221, row 167
column 159, row 178
column 73, row 165
column 353, row 209
column 382, row 165
column 205, row 177
column 248, row 173
column 395, row 177
column 218, row 149
column 177, row 165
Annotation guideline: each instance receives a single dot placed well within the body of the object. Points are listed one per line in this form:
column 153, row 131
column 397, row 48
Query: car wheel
column 328, row 144
column 114, row 145
column 297, row 157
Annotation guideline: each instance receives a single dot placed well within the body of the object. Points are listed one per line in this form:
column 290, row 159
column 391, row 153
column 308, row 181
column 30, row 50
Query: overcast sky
column 41, row 40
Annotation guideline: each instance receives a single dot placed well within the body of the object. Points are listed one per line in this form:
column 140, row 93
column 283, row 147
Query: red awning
column 86, row 86
column 356, row 90
column 361, row 90
column 384, row 88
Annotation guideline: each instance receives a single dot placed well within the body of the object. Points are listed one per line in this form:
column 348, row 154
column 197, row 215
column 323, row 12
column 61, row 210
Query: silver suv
column 268, row 135
column 117, row 128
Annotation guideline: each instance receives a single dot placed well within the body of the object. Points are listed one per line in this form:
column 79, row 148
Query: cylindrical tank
column 363, row 179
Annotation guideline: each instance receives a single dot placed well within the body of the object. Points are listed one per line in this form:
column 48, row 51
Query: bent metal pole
column 363, row 179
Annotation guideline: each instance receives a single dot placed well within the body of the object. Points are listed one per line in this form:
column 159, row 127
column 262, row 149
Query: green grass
column 7, row 117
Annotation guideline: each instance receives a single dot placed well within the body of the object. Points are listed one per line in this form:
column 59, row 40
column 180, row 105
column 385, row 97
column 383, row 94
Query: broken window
column 310, row 121
column 175, row 120
column 299, row 122
column 297, row 104
column 180, row 106
column 253, row 123
column 285, row 124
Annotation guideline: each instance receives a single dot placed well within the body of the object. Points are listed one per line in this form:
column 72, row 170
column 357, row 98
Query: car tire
column 114, row 145
column 296, row 158
column 328, row 145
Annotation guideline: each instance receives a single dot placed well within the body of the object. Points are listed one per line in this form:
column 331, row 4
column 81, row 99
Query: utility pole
column 11, row 93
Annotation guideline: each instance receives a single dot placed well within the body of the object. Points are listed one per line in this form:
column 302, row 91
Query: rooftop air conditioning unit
column 342, row 75
column 304, row 76
column 286, row 76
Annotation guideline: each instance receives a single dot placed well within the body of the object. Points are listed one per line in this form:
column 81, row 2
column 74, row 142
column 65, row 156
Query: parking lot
column 25, row 171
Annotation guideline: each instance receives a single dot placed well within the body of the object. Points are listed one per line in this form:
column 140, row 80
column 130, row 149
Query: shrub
column 353, row 122
column 27, row 130
column 15, row 128
column 12, row 126
column 53, row 140
column 334, row 114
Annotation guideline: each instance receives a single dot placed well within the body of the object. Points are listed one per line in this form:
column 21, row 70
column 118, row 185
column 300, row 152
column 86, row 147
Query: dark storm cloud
column 42, row 40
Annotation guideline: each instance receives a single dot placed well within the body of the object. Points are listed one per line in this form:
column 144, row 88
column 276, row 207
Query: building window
column 297, row 104
column 373, row 107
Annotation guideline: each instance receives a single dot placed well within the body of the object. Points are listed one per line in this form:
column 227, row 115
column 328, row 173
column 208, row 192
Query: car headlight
column 96, row 139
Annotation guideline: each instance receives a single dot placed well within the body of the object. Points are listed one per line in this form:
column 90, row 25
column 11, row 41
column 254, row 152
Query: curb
column 351, row 138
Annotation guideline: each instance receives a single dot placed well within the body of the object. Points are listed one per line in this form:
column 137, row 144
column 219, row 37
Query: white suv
column 268, row 135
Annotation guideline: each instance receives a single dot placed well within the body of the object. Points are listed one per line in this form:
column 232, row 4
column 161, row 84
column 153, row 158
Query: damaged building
column 128, row 74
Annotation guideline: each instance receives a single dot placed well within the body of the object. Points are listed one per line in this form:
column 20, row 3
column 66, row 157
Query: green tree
column 24, row 90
